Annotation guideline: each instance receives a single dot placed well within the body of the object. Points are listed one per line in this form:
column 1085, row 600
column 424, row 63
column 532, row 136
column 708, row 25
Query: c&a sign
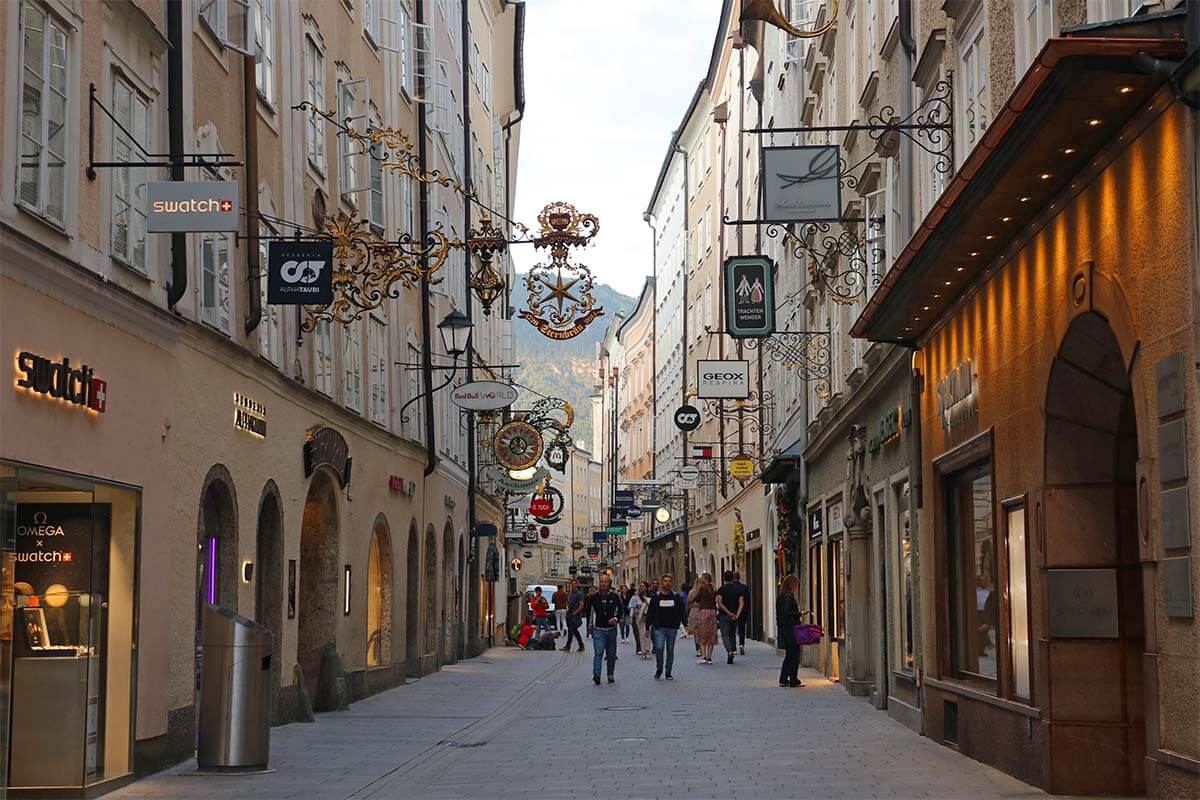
column 62, row 380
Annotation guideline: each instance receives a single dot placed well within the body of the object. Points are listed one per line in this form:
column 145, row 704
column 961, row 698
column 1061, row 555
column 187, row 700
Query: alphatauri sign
column 62, row 380
column 300, row 273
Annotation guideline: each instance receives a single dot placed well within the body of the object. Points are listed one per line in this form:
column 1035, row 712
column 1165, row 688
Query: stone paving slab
column 515, row 724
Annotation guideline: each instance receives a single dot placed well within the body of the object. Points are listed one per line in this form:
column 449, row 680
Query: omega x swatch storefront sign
column 191, row 206
column 62, row 380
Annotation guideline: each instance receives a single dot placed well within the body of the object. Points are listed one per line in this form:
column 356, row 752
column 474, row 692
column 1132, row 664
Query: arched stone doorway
column 268, row 582
column 216, row 552
column 450, row 599
column 460, row 630
column 429, row 586
column 412, row 604
column 1094, row 680
column 319, row 598
column 379, row 596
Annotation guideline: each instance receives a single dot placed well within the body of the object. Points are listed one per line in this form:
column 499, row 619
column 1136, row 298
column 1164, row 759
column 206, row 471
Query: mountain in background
column 565, row 369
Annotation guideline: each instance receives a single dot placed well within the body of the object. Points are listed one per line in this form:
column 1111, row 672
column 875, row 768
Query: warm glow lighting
column 1006, row 219
column 56, row 595
column 1068, row 151
column 1095, row 122
column 1125, row 89
column 1046, row 176
column 947, row 283
column 989, row 237
column 936, row 296
column 1024, row 199
column 973, row 253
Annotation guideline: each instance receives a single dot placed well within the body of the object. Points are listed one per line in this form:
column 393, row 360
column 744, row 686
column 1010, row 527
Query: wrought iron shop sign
column 483, row 395
column 724, row 379
column 300, row 273
column 750, row 296
column 802, row 183
column 326, row 447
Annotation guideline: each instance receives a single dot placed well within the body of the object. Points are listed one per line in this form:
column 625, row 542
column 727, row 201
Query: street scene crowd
column 654, row 614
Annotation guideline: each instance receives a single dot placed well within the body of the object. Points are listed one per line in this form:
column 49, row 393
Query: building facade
column 221, row 453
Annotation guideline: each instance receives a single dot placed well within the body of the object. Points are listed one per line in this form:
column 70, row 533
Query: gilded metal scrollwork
column 561, row 301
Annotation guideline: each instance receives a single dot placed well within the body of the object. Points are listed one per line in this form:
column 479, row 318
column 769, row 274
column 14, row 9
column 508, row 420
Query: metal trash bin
column 235, row 693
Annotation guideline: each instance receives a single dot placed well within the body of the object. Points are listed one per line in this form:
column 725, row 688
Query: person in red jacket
column 527, row 631
column 540, row 607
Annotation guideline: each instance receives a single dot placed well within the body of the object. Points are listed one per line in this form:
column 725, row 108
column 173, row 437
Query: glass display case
column 69, row 577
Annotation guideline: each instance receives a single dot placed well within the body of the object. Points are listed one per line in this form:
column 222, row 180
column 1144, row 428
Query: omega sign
column 729, row 380
column 73, row 384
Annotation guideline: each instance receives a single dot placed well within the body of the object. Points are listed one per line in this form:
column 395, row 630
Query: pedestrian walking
column 703, row 618
column 603, row 613
column 787, row 613
column 730, row 607
column 623, row 625
column 574, row 616
column 636, row 606
column 560, row 600
column 540, row 607
column 664, row 615
column 744, row 620
column 685, row 598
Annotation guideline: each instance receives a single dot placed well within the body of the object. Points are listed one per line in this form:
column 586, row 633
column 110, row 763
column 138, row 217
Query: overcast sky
column 606, row 82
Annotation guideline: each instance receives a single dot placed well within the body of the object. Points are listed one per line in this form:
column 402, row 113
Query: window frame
column 323, row 361
column 50, row 24
column 128, row 257
column 1009, row 663
column 264, row 62
column 270, row 327
column 377, row 370
column 211, row 243
column 352, row 365
column 315, row 149
column 972, row 85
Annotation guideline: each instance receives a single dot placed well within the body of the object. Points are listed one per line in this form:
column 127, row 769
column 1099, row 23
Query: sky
column 606, row 83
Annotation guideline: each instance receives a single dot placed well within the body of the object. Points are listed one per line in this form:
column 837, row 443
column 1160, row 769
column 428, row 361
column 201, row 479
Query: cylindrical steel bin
column 235, row 693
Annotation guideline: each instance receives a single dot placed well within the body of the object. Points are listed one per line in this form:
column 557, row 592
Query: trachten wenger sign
column 191, row 206
column 802, row 183
column 750, row 296
column 723, row 380
column 300, row 273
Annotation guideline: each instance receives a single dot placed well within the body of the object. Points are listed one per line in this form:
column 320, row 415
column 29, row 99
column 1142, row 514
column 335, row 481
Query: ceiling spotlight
column 1006, row 219
column 1125, row 89
column 1046, row 176
column 1066, row 151
column 1024, row 198
column 989, row 237
column 925, row 308
column 973, row 253
column 947, row 283
column 959, row 269
column 936, row 296
column 1094, row 122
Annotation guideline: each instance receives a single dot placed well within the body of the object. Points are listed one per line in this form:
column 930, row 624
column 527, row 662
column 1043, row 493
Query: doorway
column 1093, row 580
column 318, row 612
column 216, row 559
column 268, row 584
column 754, row 583
column 429, row 585
column 412, row 607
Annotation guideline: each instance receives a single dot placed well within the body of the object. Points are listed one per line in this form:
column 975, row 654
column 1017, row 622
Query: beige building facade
column 220, row 453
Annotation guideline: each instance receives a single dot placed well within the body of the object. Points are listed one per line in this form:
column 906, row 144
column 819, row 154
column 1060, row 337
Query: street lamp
column 456, row 333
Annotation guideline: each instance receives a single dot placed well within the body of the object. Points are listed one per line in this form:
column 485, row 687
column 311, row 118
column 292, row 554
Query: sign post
column 750, row 296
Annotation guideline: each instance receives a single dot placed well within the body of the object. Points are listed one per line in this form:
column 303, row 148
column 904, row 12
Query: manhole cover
column 633, row 739
column 624, row 708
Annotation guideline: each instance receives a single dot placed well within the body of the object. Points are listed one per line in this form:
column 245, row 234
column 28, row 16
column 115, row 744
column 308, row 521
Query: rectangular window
column 1018, row 601
column 836, row 584
column 375, row 214
column 441, row 97
column 132, row 112
column 905, row 577
column 378, row 375
column 485, row 89
column 404, row 37
column 264, row 49
column 800, row 13
column 215, row 14
column 416, row 412
column 1035, row 24
column 408, row 213
column 972, row 103
column 423, row 62
column 352, row 355
column 971, row 553
column 930, row 179
column 314, row 93
column 216, row 301
column 42, row 175
column 323, row 357
column 814, row 584
column 270, row 327
column 371, row 19
column 348, row 149
column 876, row 207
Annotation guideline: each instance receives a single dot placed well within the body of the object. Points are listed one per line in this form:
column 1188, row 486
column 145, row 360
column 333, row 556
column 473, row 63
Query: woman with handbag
column 787, row 616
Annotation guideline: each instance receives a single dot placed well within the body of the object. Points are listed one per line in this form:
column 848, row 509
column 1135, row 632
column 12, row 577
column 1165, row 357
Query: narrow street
column 531, row 725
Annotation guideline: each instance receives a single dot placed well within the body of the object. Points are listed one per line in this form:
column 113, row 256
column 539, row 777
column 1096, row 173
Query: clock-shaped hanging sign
column 518, row 445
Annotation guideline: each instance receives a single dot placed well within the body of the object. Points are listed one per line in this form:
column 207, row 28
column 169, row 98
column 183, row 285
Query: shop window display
column 69, row 570
column 975, row 602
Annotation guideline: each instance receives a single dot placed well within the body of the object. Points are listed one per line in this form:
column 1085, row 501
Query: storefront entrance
column 758, row 593
column 1095, row 640
column 319, row 598
column 68, row 628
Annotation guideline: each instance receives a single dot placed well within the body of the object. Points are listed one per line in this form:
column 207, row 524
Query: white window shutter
column 441, row 96
column 423, row 62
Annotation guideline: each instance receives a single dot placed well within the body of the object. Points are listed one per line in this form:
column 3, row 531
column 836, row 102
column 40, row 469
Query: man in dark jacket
column 603, row 613
column 663, row 617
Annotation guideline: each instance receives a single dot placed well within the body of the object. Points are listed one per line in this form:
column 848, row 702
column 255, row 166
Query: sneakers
column 742, row 650
column 596, row 679
column 612, row 679
column 580, row 648
column 699, row 659
column 708, row 661
column 669, row 677
column 729, row 657
column 658, row 675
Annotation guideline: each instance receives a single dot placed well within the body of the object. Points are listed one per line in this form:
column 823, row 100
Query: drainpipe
column 470, row 307
column 179, row 268
column 431, row 458
column 253, row 261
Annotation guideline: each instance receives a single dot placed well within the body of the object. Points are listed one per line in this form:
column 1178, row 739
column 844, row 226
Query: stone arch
column 319, row 600
column 1089, row 522
column 412, row 602
column 429, row 584
column 216, row 551
column 379, row 595
column 268, row 580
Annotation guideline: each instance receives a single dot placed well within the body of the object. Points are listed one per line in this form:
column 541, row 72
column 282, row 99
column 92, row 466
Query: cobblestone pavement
column 514, row 724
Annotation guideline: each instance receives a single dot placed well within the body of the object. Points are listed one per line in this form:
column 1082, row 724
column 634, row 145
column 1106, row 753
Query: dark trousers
column 573, row 632
column 637, row 637
column 729, row 628
column 791, row 655
column 743, row 623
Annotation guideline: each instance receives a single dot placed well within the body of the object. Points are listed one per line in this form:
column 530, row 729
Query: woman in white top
column 637, row 615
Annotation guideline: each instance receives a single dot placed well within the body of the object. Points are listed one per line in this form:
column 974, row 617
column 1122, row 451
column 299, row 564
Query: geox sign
column 723, row 380
column 191, row 206
column 300, row 273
